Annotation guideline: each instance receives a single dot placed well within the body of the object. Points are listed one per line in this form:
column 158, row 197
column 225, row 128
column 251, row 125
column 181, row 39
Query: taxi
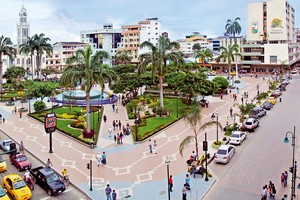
column 232, row 73
column 272, row 100
column 3, row 195
column 16, row 187
column 3, row 166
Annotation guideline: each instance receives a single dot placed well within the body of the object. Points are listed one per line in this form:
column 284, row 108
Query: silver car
column 5, row 144
column 237, row 137
column 224, row 153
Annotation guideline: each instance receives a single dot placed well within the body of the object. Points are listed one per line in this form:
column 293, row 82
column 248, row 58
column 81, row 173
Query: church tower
column 22, row 27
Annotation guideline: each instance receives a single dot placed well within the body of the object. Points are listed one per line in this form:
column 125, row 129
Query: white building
column 106, row 39
column 271, row 39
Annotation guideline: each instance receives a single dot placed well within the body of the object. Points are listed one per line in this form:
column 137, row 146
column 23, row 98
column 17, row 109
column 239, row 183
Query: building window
column 273, row 59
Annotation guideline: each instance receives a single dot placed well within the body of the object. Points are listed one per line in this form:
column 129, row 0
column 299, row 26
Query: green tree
column 228, row 54
column 233, row 28
column 39, row 106
column 122, row 57
column 84, row 66
column 204, row 54
column 47, row 71
column 158, row 58
column 221, row 81
column 14, row 74
column 5, row 49
column 195, row 120
column 27, row 49
column 42, row 89
column 244, row 110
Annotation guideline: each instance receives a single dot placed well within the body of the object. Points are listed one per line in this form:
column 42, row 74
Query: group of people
column 185, row 188
column 283, row 178
column 152, row 146
column 101, row 158
column 268, row 190
column 110, row 193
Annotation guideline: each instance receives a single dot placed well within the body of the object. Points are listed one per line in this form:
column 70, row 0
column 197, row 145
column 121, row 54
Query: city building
column 271, row 40
column 107, row 39
column 22, row 27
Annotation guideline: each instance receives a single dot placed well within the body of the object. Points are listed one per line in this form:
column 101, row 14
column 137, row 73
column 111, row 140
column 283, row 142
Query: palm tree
column 27, row 49
column 227, row 54
column 194, row 119
column 204, row 54
column 244, row 110
column 233, row 28
column 5, row 49
column 158, row 59
column 84, row 66
column 122, row 57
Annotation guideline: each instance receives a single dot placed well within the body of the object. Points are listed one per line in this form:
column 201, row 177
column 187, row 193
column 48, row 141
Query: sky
column 62, row 20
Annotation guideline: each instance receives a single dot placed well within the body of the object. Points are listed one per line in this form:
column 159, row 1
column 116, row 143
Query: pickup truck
column 48, row 180
column 20, row 161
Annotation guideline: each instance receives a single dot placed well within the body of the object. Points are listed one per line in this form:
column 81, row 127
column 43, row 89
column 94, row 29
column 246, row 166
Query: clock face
column 24, row 14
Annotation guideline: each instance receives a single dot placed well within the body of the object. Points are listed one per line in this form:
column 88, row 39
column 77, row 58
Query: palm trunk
column 1, row 69
column 236, row 68
column 229, row 74
column 196, row 143
column 88, row 123
column 161, row 94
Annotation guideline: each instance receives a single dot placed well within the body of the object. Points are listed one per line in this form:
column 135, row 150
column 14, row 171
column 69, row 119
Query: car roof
column 7, row 140
column 224, row 146
column 250, row 119
column 46, row 171
column 14, row 177
column 237, row 132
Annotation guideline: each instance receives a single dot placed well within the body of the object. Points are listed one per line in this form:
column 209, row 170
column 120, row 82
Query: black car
column 267, row 105
column 48, row 180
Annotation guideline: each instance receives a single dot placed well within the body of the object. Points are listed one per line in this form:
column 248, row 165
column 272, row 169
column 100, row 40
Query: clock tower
column 22, row 27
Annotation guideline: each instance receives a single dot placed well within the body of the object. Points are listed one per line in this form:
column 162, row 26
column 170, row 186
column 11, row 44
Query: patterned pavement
column 130, row 169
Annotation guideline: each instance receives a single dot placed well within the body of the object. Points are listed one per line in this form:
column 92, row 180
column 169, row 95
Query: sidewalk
column 130, row 169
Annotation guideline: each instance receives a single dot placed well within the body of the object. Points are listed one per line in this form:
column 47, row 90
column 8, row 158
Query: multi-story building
column 61, row 52
column 106, row 39
column 134, row 35
column 270, row 37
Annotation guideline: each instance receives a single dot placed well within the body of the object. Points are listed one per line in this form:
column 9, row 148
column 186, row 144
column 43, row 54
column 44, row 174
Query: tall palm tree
column 5, row 49
column 122, row 57
column 84, row 66
column 227, row 54
column 244, row 110
column 27, row 49
column 194, row 119
column 233, row 28
column 204, row 54
column 158, row 57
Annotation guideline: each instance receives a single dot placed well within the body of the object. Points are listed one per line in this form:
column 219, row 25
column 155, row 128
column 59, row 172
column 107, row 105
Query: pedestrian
column 184, row 192
column 3, row 120
column 114, row 124
column 120, row 124
column 242, row 99
column 238, row 90
column 170, row 181
column 187, row 182
column 20, row 114
column 114, row 195
column 104, row 118
column 194, row 155
column 109, row 131
column 113, row 107
column 230, row 111
column 15, row 109
column 115, row 139
column 103, row 158
column 116, row 107
column 284, row 197
column 121, row 138
column 282, row 180
column 247, row 95
column 150, row 145
column 21, row 148
column 98, row 157
column 118, row 138
column 154, row 147
column 264, row 193
column 108, row 192
column 49, row 163
column 221, row 95
column 285, row 178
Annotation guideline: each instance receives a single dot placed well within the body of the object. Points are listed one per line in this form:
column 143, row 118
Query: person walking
column 187, row 182
column 109, row 131
column 15, row 109
column 231, row 112
column 20, row 114
column 264, row 193
column 104, row 118
column 103, row 158
column 242, row 99
column 150, row 145
column 285, row 178
column 221, row 95
column 113, row 107
column 98, row 158
column 121, row 138
column 114, row 195
column 116, row 107
column 114, row 124
column 49, row 163
column 282, row 180
column 184, row 189
column 108, row 192
column 170, row 181
column 115, row 140
column 120, row 125
column 154, row 147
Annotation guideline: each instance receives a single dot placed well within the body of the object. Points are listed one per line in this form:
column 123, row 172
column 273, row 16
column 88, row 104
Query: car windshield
column 248, row 123
column 7, row 143
column 222, row 151
column 235, row 135
column 52, row 178
column 2, row 192
column 19, row 184
column 21, row 158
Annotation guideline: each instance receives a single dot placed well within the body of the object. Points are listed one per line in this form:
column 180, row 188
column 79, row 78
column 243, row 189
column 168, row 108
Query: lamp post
column 29, row 104
column 294, row 163
column 167, row 161
column 205, row 146
column 213, row 116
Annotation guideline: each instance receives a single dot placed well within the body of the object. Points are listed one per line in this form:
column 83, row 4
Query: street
column 263, row 156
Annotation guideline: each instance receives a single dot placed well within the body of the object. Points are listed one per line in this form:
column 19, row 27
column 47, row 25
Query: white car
column 237, row 137
column 224, row 153
column 251, row 124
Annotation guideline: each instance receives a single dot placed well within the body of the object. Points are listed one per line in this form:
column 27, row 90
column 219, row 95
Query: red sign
column 50, row 122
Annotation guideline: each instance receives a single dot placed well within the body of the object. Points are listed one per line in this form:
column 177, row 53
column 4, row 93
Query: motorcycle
column 29, row 182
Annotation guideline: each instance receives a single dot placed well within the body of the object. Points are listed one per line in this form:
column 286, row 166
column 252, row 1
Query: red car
column 20, row 161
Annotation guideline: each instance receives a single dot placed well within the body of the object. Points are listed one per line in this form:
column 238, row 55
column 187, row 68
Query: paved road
column 38, row 192
column 263, row 156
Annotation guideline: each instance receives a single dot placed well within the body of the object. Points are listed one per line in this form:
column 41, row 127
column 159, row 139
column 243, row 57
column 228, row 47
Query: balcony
column 251, row 54
column 249, row 62
column 251, row 45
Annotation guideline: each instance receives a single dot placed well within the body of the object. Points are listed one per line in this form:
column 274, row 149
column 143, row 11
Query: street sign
column 50, row 122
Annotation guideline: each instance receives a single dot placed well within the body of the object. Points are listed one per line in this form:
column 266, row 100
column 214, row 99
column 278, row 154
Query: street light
column 213, row 116
column 167, row 161
column 29, row 97
column 294, row 163
column 205, row 148
column 179, row 97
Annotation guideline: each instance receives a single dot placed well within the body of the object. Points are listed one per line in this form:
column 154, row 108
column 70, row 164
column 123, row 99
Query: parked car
column 224, row 153
column 251, row 124
column 20, row 161
column 294, row 71
column 16, row 187
column 3, row 194
column 276, row 93
column 48, row 180
column 3, row 166
column 5, row 144
column 272, row 100
column 267, row 105
column 258, row 112
column 237, row 137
